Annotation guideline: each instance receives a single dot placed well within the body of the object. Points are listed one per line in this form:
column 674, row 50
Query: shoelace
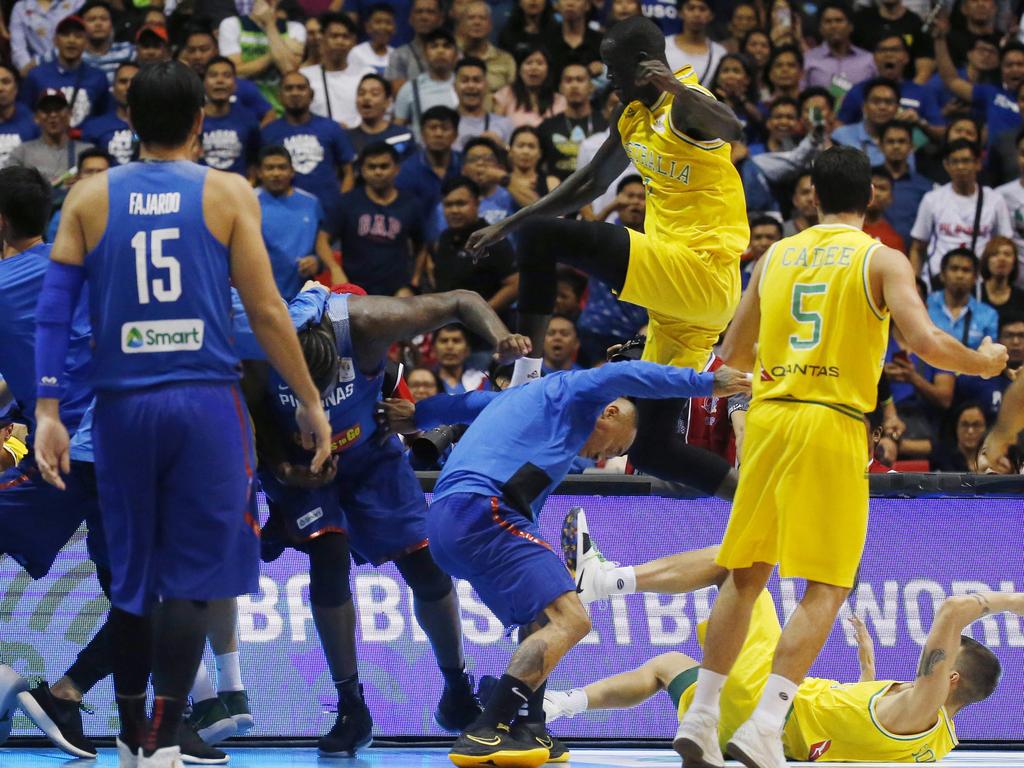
column 605, row 565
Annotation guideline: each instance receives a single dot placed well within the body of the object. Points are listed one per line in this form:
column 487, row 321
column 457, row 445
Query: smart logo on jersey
column 162, row 336
column 819, row 749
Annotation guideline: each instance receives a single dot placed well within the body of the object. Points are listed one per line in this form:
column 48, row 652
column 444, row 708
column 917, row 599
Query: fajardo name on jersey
column 162, row 336
column 153, row 203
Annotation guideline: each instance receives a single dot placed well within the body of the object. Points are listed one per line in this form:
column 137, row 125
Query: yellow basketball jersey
column 833, row 722
column 822, row 339
column 694, row 193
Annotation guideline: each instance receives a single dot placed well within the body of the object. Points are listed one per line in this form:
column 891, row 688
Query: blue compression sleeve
column 452, row 409
column 58, row 298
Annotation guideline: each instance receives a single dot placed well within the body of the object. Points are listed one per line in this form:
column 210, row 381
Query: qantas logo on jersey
column 779, row 371
column 162, row 336
column 819, row 749
column 153, row 204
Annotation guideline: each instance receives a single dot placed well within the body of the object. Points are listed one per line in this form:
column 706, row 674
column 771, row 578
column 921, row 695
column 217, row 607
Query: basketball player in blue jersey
column 483, row 522
column 373, row 508
column 159, row 243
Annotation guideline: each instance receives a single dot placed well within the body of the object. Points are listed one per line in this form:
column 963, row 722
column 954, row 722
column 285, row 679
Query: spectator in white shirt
column 335, row 79
column 692, row 46
column 1013, row 195
column 474, row 120
column 380, row 28
column 961, row 214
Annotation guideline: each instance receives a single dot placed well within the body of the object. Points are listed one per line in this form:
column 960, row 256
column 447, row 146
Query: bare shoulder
column 225, row 197
column 87, row 206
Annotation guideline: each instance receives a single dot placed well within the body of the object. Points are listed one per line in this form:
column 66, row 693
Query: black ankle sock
column 454, row 677
column 509, row 694
column 348, row 689
column 163, row 728
column 132, row 711
column 535, row 707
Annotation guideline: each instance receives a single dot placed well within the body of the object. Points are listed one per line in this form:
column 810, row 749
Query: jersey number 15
column 167, row 288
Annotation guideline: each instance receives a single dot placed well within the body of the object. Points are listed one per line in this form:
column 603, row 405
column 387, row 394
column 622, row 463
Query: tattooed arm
column 914, row 709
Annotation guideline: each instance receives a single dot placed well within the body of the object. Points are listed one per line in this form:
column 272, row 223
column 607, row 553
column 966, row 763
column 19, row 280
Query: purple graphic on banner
column 918, row 552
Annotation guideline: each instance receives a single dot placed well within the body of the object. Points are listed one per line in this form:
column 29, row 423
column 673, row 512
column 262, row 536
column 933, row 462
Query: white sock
column 526, row 369
column 620, row 581
column 709, row 691
column 229, row 674
column 202, row 688
column 776, row 699
column 577, row 702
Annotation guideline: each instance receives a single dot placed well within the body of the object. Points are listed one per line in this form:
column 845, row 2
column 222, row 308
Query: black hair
column 767, row 221
column 816, row 90
column 546, row 92
column 376, row 149
column 958, row 118
column 385, row 83
column 979, row 670
column 572, row 277
column 842, row 179
column 779, row 51
column 482, row 141
column 563, row 316
column 85, row 154
column 163, row 101
column 222, row 60
column 343, row 19
column 124, row 64
column 90, row 4
column 517, row 20
column 452, row 327
column 380, row 8
column 890, row 34
column 470, row 61
column 784, row 101
column 958, row 253
column 633, row 178
column 460, row 182
column 959, row 144
column 25, row 201
column 196, row 28
column 992, row 39
column 439, row 34
column 273, row 150
column 881, row 172
column 321, row 353
column 14, row 72
column 441, row 113
column 751, row 94
column 835, row 5
column 638, row 33
column 1009, row 317
column 1010, row 47
column 896, row 125
column 880, row 82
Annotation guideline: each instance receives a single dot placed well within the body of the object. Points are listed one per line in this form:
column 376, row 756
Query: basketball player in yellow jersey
column 865, row 721
column 683, row 266
column 818, row 307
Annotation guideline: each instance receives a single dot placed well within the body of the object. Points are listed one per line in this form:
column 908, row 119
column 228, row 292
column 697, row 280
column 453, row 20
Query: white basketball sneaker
column 126, row 756
column 756, row 747
column 167, row 757
column 697, row 740
column 584, row 558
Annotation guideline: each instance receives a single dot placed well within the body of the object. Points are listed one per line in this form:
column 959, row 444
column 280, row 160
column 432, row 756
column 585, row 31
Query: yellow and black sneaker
column 499, row 747
column 558, row 752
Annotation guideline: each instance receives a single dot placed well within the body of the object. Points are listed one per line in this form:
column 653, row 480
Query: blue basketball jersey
column 159, row 283
column 350, row 404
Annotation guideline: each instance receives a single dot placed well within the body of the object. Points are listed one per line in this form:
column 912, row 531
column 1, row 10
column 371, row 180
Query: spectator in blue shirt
column 561, row 345
column 293, row 226
column 199, row 49
column 17, row 123
column 423, row 174
column 101, row 50
column 373, row 103
column 111, row 132
column 881, row 103
column 84, row 86
column 231, row 135
column 32, row 25
column 908, row 186
column 381, row 227
column 481, row 163
column 321, row 152
column 954, row 309
column 989, row 392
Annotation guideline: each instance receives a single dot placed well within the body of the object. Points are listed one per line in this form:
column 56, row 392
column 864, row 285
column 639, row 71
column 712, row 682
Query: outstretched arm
column 380, row 321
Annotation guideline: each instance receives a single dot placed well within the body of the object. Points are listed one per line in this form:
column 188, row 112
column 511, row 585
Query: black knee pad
column 329, row 567
column 426, row 579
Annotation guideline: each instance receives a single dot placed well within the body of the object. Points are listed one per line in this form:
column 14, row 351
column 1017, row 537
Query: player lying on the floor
column 867, row 721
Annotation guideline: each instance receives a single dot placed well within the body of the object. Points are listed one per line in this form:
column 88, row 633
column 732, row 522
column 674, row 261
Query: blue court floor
column 437, row 758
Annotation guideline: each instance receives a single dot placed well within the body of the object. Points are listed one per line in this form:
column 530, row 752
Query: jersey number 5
column 803, row 316
column 164, row 288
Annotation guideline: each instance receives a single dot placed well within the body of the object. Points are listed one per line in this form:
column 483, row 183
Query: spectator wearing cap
column 474, row 37
column 379, row 23
column 908, row 187
column 373, row 103
column 199, row 48
column 891, row 18
column 17, row 123
column 152, row 44
column 954, row 308
column 409, row 60
column 335, row 79
column 837, row 63
column 320, row 150
column 33, row 23
column 264, row 46
column 474, row 118
column 84, row 86
column 293, row 225
column 111, row 132
column 433, row 87
column 101, row 50
column 54, row 154
column 881, row 103
column 423, row 173
column 90, row 162
column 231, row 135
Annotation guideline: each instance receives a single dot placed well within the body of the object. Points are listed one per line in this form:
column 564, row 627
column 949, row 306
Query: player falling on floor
column 159, row 242
column 865, row 721
column 683, row 268
column 818, row 308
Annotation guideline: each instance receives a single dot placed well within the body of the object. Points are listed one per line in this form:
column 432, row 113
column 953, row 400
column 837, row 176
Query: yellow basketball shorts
column 747, row 679
column 802, row 500
column 690, row 296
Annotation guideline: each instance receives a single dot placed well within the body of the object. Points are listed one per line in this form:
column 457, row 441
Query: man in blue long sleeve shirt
column 483, row 521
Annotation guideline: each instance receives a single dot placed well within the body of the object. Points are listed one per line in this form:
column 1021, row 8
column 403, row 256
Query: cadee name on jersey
column 832, row 256
column 153, row 203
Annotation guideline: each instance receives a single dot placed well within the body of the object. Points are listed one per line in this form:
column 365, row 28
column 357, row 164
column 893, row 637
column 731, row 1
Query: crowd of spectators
column 382, row 133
